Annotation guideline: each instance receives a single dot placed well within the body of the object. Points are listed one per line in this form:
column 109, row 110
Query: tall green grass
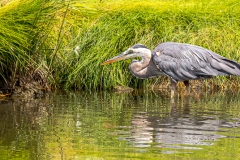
column 70, row 40
column 210, row 25
column 32, row 32
column 19, row 26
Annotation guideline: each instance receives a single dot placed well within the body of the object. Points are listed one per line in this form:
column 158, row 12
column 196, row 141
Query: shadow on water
column 129, row 125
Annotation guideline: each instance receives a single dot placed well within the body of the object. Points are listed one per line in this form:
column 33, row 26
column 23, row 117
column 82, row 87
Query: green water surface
column 133, row 125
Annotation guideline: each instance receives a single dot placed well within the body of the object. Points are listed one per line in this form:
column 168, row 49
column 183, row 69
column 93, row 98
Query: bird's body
column 178, row 61
column 185, row 62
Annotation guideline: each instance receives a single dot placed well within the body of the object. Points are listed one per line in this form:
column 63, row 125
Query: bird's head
column 137, row 50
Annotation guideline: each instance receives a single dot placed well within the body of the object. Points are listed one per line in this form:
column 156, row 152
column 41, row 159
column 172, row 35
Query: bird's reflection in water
column 177, row 130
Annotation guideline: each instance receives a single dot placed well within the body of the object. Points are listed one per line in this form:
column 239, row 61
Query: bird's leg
column 173, row 87
column 187, row 85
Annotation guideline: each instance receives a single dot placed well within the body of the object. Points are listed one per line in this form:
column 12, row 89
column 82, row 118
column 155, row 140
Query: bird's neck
column 139, row 68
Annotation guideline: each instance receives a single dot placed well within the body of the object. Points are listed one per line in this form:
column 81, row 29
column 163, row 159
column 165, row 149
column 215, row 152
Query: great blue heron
column 178, row 61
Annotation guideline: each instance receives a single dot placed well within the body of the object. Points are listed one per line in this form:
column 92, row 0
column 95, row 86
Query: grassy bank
column 65, row 43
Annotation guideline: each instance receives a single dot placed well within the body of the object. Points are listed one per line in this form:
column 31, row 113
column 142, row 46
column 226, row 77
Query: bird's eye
column 130, row 51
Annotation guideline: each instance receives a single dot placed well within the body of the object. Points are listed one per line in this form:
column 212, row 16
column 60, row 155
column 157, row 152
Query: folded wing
column 185, row 62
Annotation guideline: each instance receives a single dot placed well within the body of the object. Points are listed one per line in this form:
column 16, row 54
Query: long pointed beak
column 119, row 57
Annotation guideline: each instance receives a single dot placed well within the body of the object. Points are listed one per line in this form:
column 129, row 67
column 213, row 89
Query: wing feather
column 184, row 62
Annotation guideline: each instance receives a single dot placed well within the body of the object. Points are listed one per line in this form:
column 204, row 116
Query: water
column 134, row 125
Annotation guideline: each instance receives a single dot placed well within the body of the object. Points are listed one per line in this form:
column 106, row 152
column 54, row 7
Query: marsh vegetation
column 60, row 44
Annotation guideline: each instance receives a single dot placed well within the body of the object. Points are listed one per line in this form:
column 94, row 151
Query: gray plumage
column 184, row 62
column 178, row 61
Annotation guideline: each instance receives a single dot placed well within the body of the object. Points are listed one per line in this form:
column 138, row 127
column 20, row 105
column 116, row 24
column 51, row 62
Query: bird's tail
column 228, row 67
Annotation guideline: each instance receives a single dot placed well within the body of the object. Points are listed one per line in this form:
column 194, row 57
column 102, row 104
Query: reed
column 68, row 41
column 212, row 26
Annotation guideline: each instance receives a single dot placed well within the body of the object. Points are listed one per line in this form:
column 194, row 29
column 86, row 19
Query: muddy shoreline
column 24, row 87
